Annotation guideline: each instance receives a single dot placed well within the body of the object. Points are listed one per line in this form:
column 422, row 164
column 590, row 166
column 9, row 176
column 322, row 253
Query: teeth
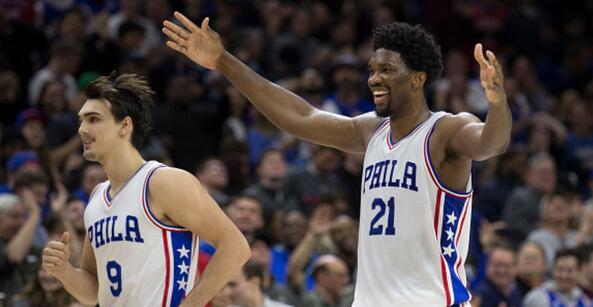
column 379, row 93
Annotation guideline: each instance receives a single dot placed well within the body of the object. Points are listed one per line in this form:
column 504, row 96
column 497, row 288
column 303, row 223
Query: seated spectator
column 246, row 287
column 554, row 233
column 92, row 174
column 214, row 178
column 270, row 188
column 260, row 249
column 246, row 213
column 293, row 231
column 563, row 289
column 44, row 290
column 500, row 286
column 532, row 266
column 521, row 212
column 19, row 219
column 332, row 278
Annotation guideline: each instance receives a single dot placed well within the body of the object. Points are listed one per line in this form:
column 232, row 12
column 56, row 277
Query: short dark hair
column 416, row 46
column 129, row 95
column 26, row 179
column 568, row 252
column 253, row 269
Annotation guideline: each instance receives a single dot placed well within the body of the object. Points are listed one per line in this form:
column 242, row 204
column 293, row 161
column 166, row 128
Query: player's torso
column 140, row 261
column 410, row 253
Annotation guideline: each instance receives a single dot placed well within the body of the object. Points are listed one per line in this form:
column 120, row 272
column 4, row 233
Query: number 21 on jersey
column 382, row 208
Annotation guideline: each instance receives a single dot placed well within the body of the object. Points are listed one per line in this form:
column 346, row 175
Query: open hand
column 491, row 75
column 200, row 44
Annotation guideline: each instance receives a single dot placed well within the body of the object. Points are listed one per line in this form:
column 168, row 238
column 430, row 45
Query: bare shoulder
column 451, row 123
column 169, row 182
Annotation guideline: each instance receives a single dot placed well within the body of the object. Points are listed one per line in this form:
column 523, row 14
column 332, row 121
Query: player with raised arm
column 416, row 186
column 143, row 223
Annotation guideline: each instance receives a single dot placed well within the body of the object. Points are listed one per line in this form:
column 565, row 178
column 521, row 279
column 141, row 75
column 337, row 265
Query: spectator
column 246, row 288
column 270, row 188
column 332, row 279
column 19, row 218
column 308, row 184
column 554, row 233
column 92, row 174
column 213, row 176
column 586, row 272
column 532, row 266
column 500, row 286
column 246, row 213
column 563, row 289
column 44, row 290
column 521, row 212
column 63, row 65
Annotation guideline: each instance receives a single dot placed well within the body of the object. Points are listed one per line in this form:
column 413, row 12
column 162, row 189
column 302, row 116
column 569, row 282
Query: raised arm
column 474, row 139
column 184, row 201
column 285, row 109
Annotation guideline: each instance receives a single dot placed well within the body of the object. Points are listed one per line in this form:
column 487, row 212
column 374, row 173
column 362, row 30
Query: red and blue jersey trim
column 451, row 211
column 180, row 249
column 389, row 139
column 106, row 196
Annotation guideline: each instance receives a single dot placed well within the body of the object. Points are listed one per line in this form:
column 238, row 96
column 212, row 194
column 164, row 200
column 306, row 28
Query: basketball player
column 143, row 223
column 416, row 185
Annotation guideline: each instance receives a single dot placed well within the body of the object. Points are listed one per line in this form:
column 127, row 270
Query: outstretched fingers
column 176, row 29
column 177, row 47
column 186, row 22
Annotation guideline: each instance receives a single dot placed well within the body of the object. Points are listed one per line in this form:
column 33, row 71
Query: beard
column 384, row 111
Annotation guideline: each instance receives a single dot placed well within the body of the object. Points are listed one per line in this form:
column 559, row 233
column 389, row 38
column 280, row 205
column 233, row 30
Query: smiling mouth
column 380, row 96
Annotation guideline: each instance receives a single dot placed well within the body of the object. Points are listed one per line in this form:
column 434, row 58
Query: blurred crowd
column 298, row 203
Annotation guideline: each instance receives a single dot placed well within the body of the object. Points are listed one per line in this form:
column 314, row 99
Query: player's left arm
column 184, row 201
column 480, row 141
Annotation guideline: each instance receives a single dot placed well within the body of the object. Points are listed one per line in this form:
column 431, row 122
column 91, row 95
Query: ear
column 127, row 126
column 418, row 79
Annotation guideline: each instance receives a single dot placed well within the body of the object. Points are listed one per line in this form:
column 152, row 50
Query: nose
column 374, row 79
column 82, row 128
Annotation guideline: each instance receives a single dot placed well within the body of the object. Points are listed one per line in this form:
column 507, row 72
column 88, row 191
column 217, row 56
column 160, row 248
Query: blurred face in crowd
column 53, row 98
column 260, row 253
column 587, row 269
column 501, row 268
column 272, row 167
column 99, row 131
column 326, row 160
column 75, row 213
column 335, row 277
column 389, row 81
column 531, row 260
column 11, row 221
column 541, row 175
column 9, row 86
column 344, row 232
column 40, row 190
column 214, row 175
column 566, row 273
column 246, row 213
column 557, row 210
column 295, row 226
column 92, row 175
column 73, row 26
column 33, row 131
column 242, row 290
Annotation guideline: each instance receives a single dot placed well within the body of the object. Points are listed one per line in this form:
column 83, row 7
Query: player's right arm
column 285, row 109
column 81, row 282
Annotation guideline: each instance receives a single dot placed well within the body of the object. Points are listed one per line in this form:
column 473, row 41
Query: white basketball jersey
column 414, row 232
column 140, row 261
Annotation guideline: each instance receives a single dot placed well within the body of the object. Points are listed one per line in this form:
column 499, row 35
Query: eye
column 388, row 70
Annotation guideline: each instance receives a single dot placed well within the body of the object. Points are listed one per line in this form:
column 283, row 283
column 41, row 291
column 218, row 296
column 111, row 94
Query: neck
column 119, row 166
column 272, row 184
column 533, row 280
column 403, row 123
column 557, row 228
